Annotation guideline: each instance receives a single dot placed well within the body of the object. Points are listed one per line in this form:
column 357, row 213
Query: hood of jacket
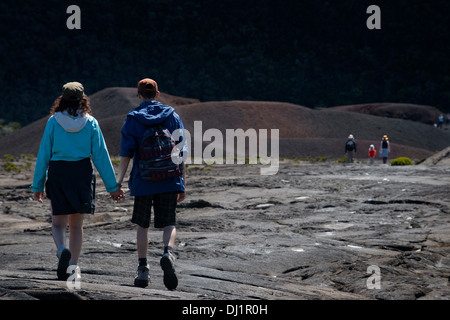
column 71, row 123
column 151, row 112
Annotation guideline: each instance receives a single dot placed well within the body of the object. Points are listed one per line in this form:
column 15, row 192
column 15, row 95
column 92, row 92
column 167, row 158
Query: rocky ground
column 313, row 231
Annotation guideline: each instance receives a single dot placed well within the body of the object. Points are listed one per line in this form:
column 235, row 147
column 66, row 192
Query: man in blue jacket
column 162, row 195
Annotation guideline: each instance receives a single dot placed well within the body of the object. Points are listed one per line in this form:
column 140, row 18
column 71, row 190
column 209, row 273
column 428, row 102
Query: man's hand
column 181, row 196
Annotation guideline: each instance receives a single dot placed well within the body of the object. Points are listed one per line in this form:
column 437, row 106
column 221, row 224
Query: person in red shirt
column 372, row 153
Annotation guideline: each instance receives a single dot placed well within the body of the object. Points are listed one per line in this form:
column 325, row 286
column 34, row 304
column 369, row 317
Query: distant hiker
column 372, row 153
column 350, row 148
column 385, row 148
column 160, row 187
column 440, row 121
column 71, row 137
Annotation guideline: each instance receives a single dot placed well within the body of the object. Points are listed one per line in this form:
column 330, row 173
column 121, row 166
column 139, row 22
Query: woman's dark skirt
column 70, row 187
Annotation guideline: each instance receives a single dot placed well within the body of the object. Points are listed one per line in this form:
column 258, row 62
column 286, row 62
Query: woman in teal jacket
column 63, row 168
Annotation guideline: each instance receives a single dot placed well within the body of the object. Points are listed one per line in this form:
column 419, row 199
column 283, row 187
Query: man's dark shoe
column 167, row 265
column 141, row 279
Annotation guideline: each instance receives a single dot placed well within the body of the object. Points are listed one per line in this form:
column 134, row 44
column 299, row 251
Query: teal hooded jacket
column 69, row 138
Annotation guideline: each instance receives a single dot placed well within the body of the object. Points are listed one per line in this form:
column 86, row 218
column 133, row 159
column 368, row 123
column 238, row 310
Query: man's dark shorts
column 164, row 207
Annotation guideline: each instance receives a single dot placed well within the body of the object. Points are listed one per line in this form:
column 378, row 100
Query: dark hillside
column 311, row 53
column 425, row 114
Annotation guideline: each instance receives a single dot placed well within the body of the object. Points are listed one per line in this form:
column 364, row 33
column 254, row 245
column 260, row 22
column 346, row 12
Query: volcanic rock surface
column 312, row 231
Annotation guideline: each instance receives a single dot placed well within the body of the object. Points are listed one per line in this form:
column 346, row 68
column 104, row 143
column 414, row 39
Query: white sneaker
column 74, row 277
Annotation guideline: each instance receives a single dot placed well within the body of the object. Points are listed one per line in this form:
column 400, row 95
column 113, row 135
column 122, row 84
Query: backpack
column 155, row 154
column 350, row 145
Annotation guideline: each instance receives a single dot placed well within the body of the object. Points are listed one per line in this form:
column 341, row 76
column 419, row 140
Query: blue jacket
column 138, row 120
column 69, row 138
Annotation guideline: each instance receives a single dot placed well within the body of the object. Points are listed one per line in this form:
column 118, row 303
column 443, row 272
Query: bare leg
column 76, row 236
column 59, row 226
column 168, row 258
column 142, row 241
column 169, row 235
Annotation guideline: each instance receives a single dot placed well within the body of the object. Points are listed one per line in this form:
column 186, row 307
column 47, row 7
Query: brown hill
column 306, row 132
column 105, row 104
column 116, row 101
column 302, row 131
column 414, row 112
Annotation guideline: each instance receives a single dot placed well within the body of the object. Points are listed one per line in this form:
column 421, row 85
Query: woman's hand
column 38, row 196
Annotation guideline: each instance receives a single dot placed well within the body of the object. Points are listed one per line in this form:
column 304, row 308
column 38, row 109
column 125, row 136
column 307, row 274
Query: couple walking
column 72, row 137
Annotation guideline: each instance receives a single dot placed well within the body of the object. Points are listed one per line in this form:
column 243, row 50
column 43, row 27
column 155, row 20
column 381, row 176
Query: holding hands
column 117, row 195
